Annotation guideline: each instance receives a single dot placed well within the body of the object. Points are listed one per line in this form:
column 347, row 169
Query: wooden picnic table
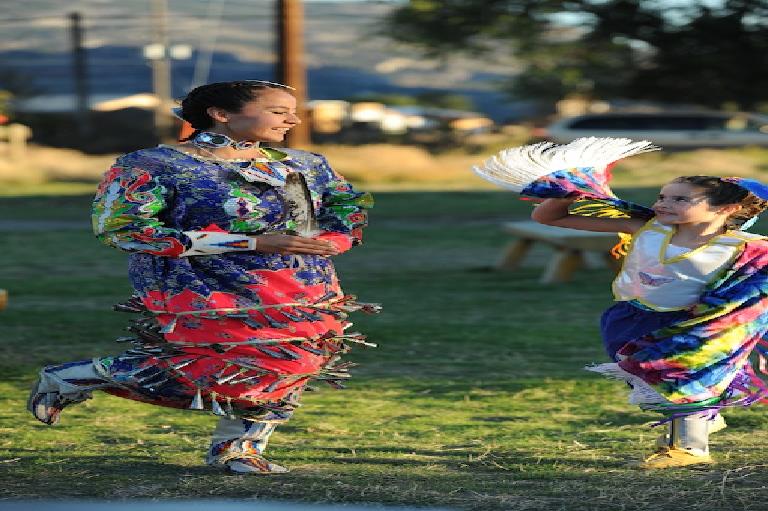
column 569, row 246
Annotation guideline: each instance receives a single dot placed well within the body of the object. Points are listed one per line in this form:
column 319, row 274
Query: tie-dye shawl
column 698, row 364
column 703, row 362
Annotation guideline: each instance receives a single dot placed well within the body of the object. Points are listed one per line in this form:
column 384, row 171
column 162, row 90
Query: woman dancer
column 238, row 301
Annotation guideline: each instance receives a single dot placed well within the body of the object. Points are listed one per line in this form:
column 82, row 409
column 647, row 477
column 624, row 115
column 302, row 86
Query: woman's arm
column 555, row 212
column 127, row 212
column 343, row 211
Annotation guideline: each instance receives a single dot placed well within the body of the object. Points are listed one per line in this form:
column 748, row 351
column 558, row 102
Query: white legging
column 236, row 438
column 233, row 437
column 691, row 433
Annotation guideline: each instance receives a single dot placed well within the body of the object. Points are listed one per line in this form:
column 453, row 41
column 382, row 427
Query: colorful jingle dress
column 687, row 321
column 222, row 326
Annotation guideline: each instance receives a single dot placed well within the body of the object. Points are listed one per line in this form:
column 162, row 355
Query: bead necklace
column 232, row 160
column 255, row 169
column 218, row 140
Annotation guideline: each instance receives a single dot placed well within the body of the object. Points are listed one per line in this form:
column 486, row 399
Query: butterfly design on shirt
column 653, row 280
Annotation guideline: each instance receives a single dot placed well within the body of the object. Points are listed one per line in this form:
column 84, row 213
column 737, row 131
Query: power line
column 122, row 16
column 208, row 44
column 64, row 63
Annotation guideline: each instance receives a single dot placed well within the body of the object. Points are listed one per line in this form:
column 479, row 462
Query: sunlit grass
column 389, row 167
column 475, row 399
column 46, row 189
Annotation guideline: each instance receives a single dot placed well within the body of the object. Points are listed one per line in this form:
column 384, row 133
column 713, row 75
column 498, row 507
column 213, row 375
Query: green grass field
column 476, row 398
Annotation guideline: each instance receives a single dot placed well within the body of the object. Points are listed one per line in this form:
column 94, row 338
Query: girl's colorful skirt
column 625, row 321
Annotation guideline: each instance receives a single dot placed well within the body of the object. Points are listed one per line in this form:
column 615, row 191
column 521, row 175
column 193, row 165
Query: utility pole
column 161, row 70
column 291, row 69
column 80, row 75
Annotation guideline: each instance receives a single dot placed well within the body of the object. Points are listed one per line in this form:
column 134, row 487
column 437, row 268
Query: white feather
column 641, row 394
column 517, row 167
column 299, row 205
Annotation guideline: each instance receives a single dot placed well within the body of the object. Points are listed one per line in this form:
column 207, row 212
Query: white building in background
column 144, row 101
column 67, row 103
column 367, row 112
column 331, row 116
column 328, row 115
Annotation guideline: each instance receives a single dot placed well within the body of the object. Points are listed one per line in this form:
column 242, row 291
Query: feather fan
column 548, row 170
column 299, row 202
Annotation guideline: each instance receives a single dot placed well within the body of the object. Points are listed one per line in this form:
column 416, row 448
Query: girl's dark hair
column 229, row 96
column 720, row 193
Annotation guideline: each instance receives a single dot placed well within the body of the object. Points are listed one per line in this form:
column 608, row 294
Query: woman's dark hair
column 229, row 96
column 721, row 193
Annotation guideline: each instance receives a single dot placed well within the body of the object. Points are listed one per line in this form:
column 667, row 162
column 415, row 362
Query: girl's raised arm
column 555, row 212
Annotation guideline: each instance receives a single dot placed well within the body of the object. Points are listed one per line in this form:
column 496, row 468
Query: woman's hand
column 287, row 244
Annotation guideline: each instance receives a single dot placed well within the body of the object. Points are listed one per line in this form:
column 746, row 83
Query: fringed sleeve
column 343, row 212
column 128, row 209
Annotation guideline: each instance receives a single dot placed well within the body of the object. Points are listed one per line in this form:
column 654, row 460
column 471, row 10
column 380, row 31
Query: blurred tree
column 717, row 58
column 441, row 27
column 387, row 99
column 17, row 83
column 447, row 100
column 5, row 104
column 693, row 51
column 437, row 99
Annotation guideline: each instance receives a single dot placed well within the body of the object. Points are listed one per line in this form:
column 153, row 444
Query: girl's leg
column 716, row 423
column 238, row 445
column 62, row 385
column 691, row 433
column 688, row 443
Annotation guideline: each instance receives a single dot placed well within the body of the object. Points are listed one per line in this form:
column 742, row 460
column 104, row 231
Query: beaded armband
column 210, row 243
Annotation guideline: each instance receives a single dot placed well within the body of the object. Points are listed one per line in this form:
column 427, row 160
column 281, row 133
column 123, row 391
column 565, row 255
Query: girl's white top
column 668, row 280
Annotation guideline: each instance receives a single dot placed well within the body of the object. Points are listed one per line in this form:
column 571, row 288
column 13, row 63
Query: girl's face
column 265, row 119
column 682, row 203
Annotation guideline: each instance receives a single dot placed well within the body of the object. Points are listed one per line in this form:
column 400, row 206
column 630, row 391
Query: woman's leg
column 62, row 385
column 691, row 433
column 238, row 445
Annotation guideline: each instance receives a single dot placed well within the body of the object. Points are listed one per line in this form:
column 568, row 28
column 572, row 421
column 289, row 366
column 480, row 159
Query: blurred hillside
column 348, row 53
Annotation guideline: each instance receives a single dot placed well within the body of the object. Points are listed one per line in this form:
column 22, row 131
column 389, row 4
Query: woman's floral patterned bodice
column 159, row 203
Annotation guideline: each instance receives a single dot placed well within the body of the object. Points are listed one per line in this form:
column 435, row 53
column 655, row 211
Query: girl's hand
column 287, row 244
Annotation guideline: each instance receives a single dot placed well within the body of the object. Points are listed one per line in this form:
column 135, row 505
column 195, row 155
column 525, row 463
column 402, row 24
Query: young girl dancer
column 692, row 293
column 230, row 245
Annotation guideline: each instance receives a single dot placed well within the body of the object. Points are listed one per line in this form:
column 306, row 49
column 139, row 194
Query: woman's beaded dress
column 221, row 326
